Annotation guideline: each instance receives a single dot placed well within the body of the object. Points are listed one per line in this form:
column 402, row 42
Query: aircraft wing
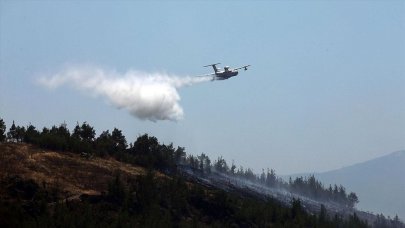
column 242, row 67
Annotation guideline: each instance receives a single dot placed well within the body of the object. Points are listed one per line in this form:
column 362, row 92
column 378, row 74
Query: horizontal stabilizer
column 212, row 64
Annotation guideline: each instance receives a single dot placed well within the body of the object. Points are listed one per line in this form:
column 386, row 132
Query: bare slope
column 72, row 173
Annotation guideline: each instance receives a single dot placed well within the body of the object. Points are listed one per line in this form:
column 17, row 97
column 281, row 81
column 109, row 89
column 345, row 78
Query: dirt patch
column 70, row 172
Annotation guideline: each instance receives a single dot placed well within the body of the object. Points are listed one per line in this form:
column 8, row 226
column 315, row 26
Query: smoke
column 147, row 96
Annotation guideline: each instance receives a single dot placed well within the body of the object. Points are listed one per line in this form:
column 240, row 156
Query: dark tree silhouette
column 87, row 132
column 352, row 198
column 104, row 143
column 12, row 133
column 2, row 130
column 120, row 143
column 31, row 135
column 20, row 133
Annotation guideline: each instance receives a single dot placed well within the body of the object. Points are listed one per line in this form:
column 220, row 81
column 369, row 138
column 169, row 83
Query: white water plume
column 147, row 96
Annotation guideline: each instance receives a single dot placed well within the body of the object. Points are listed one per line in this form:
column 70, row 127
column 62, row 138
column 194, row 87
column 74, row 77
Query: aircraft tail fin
column 214, row 66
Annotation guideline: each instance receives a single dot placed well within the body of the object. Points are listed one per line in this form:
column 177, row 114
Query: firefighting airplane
column 226, row 73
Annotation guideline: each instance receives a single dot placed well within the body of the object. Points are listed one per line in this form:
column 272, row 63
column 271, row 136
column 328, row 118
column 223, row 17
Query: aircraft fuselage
column 225, row 75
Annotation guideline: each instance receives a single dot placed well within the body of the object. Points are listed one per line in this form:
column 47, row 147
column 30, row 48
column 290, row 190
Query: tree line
column 305, row 186
column 139, row 202
column 148, row 152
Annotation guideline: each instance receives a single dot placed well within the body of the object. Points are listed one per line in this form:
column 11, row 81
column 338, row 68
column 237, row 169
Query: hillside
column 48, row 188
column 72, row 173
column 379, row 183
column 58, row 178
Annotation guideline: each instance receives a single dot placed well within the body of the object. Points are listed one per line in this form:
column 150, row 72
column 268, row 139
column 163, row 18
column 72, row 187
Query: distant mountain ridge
column 379, row 183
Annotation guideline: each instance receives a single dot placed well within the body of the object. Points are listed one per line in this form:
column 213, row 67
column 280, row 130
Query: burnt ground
column 250, row 189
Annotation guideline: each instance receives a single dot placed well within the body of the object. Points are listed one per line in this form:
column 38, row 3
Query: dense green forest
column 149, row 201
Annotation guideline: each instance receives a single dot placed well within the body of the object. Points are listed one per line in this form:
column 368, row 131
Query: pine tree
column 31, row 135
column 20, row 132
column 12, row 133
column 2, row 130
column 352, row 198
column 120, row 143
column 87, row 132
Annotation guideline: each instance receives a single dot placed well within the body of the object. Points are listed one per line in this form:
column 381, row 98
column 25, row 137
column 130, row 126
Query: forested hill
column 57, row 178
column 46, row 188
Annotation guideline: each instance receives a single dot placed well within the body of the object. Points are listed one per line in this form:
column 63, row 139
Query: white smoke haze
column 147, row 96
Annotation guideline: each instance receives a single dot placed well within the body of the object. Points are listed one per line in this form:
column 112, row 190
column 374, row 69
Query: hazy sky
column 326, row 88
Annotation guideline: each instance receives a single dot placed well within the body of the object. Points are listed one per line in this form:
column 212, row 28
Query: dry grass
column 72, row 173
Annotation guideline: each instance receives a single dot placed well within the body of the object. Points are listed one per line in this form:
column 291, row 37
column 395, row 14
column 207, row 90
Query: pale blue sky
column 326, row 87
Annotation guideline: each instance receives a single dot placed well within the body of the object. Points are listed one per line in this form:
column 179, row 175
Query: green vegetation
column 148, row 152
column 148, row 201
column 2, row 130
column 151, row 200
